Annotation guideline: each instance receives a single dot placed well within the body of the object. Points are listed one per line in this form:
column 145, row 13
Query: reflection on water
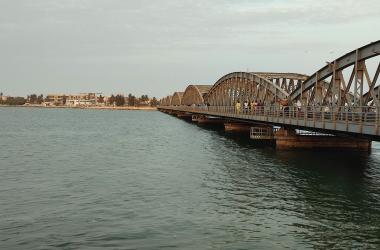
column 80, row 179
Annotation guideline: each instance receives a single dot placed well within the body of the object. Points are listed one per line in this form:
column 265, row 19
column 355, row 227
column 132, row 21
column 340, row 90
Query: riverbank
column 84, row 107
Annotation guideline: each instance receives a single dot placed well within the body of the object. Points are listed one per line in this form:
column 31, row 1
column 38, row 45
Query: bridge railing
column 358, row 115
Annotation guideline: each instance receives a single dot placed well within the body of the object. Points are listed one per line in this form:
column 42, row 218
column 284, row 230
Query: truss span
column 249, row 86
column 176, row 99
column 342, row 98
column 314, row 92
column 166, row 101
column 195, row 94
column 287, row 81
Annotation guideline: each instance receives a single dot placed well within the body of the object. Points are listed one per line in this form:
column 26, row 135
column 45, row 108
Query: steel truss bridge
column 342, row 98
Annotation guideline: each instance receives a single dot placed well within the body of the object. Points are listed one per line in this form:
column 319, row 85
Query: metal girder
column 349, row 59
column 194, row 94
column 275, row 75
column 176, row 98
column 166, row 101
column 265, row 86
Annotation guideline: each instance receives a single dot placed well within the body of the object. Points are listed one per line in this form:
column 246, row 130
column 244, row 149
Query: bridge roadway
column 343, row 123
column 341, row 98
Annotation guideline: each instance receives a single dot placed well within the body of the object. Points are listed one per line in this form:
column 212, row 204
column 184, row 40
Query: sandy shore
column 90, row 107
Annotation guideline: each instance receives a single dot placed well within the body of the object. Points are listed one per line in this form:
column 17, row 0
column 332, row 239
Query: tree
column 101, row 99
column 32, row 99
column 119, row 100
column 111, row 100
column 64, row 99
column 131, row 100
column 40, row 99
column 144, row 98
column 15, row 101
column 154, row 102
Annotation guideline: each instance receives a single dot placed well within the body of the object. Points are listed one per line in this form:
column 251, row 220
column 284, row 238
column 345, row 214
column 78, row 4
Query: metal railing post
column 377, row 120
column 323, row 117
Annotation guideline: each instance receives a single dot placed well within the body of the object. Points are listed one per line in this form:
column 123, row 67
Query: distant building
column 3, row 98
column 145, row 103
column 82, row 99
column 55, row 99
column 72, row 100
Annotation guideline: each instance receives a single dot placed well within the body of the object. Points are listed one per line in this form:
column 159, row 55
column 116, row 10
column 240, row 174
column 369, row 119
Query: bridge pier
column 194, row 118
column 209, row 120
column 182, row 115
column 289, row 139
column 238, row 127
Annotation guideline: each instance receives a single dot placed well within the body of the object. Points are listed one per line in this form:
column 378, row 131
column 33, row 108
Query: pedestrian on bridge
column 245, row 106
column 253, row 106
column 237, row 107
column 260, row 106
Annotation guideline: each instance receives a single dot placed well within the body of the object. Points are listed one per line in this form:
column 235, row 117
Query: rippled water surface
column 91, row 179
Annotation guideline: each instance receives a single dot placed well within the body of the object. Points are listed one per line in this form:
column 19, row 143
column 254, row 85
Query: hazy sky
column 157, row 47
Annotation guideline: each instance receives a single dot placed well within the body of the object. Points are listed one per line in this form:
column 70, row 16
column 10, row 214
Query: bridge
column 340, row 102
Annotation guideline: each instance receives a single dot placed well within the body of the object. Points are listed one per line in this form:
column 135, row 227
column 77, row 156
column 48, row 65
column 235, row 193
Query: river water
column 93, row 179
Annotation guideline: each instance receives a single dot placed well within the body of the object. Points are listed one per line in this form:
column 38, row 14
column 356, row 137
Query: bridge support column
column 182, row 115
column 238, row 127
column 194, row 118
column 288, row 139
column 209, row 120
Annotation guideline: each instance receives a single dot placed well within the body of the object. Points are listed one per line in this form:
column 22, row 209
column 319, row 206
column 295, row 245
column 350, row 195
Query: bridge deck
column 354, row 123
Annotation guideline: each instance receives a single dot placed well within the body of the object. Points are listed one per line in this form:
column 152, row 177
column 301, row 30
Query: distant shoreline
column 89, row 107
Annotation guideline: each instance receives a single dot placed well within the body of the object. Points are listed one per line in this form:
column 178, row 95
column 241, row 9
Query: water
column 92, row 179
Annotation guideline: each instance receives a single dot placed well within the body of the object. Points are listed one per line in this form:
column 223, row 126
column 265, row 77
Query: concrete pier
column 185, row 116
column 194, row 118
column 289, row 139
column 237, row 127
column 209, row 120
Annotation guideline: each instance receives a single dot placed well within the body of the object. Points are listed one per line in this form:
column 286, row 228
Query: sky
column 157, row 47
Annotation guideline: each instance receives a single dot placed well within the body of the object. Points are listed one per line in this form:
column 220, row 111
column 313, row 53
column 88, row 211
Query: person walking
column 253, row 106
column 245, row 106
column 237, row 107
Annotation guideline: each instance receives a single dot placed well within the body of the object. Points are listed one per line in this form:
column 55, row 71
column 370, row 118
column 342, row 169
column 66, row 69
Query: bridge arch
column 287, row 81
column 166, row 101
column 341, row 90
column 243, row 86
column 176, row 99
column 195, row 94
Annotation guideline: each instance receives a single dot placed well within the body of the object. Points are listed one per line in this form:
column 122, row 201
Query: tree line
column 18, row 100
column 131, row 100
column 117, row 100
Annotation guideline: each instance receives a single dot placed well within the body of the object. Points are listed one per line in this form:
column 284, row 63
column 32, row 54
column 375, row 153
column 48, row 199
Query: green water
column 93, row 179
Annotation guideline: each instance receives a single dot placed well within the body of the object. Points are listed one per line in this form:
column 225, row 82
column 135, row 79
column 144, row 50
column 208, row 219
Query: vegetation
column 113, row 100
column 64, row 100
column 144, row 98
column 101, row 99
column 119, row 100
column 13, row 101
column 34, row 99
column 131, row 100
column 154, row 102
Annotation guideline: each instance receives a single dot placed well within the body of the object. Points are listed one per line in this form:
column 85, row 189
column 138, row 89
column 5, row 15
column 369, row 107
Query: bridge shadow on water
column 327, row 160
column 335, row 163
column 330, row 199
column 329, row 194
